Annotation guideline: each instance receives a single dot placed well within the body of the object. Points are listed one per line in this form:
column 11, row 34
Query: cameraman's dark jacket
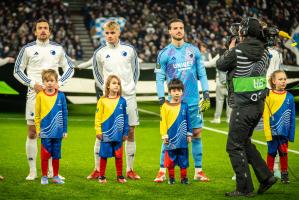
column 246, row 66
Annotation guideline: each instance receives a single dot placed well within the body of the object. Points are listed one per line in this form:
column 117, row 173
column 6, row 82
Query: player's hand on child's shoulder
column 64, row 135
column 125, row 137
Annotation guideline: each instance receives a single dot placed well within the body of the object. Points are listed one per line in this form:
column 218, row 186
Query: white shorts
column 132, row 110
column 30, row 106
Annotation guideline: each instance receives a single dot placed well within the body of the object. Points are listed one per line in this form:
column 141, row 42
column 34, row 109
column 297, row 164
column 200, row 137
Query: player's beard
column 178, row 38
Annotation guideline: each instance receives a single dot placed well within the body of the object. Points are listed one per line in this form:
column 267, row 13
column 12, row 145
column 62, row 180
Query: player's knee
column 131, row 134
column 197, row 133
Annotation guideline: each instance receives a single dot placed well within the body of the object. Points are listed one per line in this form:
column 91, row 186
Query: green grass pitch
column 77, row 162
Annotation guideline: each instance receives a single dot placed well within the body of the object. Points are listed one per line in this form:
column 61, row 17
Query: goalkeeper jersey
column 279, row 115
column 111, row 119
column 51, row 115
column 184, row 63
column 175, row 124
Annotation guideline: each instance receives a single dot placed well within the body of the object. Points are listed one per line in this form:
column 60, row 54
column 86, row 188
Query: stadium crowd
column 16, row 25
column 206, row 22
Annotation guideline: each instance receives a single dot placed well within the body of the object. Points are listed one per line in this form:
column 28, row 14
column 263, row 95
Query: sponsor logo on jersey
column 124, row 53
column 107, row 56
column 53, row 52
column 183, row 66
column 36, row 53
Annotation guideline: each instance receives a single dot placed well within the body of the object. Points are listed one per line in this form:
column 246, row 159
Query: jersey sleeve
column 135, row 66
column 293, row 120
column 97, row 70
column 37, row 115
column 201, row 71
column 67, row 66
column 160, row 71
column 189, row 127
column 126, row 121
column 64, row 113
column 99, row 117
column 163, row 123
column 20, row 66
column 266, row 119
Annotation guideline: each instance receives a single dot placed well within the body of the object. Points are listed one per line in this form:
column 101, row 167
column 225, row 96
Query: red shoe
column 121, row 179
column 160, row 177
column 132, row 175
column 200, row 176
column 94, row 175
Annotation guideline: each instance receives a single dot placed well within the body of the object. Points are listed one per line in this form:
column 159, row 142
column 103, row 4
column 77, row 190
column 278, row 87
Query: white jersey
column 121, row 60
column 275, row 62
column 38, row 56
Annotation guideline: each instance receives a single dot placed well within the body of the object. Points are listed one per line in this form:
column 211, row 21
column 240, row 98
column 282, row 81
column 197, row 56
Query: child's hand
column 99, row 136
column 165, row 140
column 189, row 138
column 65, row 135
column 125, row 137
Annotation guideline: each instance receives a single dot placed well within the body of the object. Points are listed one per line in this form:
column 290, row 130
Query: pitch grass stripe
column 219, row 131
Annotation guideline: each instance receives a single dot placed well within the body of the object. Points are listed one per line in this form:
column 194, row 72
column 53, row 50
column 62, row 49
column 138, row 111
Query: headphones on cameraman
column 244, row 26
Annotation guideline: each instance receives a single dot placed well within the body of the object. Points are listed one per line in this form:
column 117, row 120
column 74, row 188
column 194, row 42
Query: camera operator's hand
column 232, row 43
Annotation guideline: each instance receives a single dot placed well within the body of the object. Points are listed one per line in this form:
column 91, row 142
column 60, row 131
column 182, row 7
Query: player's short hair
column 111, row 25
column 175, row 84
column 46, row 74
column 110, row 77
column 174, row 21
column 39, row 21
column 272, row 77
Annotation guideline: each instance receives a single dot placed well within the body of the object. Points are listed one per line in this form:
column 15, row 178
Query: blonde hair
column 272, row 77
column 46, row 74
column 110, row 25
column 110, row 77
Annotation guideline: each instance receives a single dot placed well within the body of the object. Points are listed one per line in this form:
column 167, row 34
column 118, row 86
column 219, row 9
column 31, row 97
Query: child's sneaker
column 200, row 176
column 57, row 180
column 51, row 174
column 160, row 177
column 44, row 180
column 94, row 175
column 185, row 181
column 132, row 175
column 171, row 181
column 102, row 179
column 121, row 179
column 285, row 177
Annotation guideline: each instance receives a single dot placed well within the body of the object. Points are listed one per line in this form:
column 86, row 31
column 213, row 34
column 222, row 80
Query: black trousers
column 240, row 149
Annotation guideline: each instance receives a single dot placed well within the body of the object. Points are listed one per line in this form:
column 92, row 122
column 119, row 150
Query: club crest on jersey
column 189, row 54
column 59, row 103
column 124, row 53
column 121, row 106
column 53, row 52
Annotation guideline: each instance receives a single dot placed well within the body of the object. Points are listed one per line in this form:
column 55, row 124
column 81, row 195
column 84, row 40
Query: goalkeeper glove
column 205, row 103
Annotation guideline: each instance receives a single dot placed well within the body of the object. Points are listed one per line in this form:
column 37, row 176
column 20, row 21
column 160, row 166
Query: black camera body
column 270, row 35
column 233, row 33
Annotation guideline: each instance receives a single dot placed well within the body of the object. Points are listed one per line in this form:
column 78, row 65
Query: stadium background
column 75, row 27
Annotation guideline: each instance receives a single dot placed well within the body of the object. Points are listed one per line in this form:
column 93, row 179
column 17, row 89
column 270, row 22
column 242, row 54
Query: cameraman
column 246, row 64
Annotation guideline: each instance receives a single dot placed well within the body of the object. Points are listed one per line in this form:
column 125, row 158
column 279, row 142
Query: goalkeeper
column 183, row 60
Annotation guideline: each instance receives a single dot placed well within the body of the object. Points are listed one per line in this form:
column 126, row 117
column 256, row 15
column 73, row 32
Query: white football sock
column 130, row 153
column 31, row 152
column 96, row 149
